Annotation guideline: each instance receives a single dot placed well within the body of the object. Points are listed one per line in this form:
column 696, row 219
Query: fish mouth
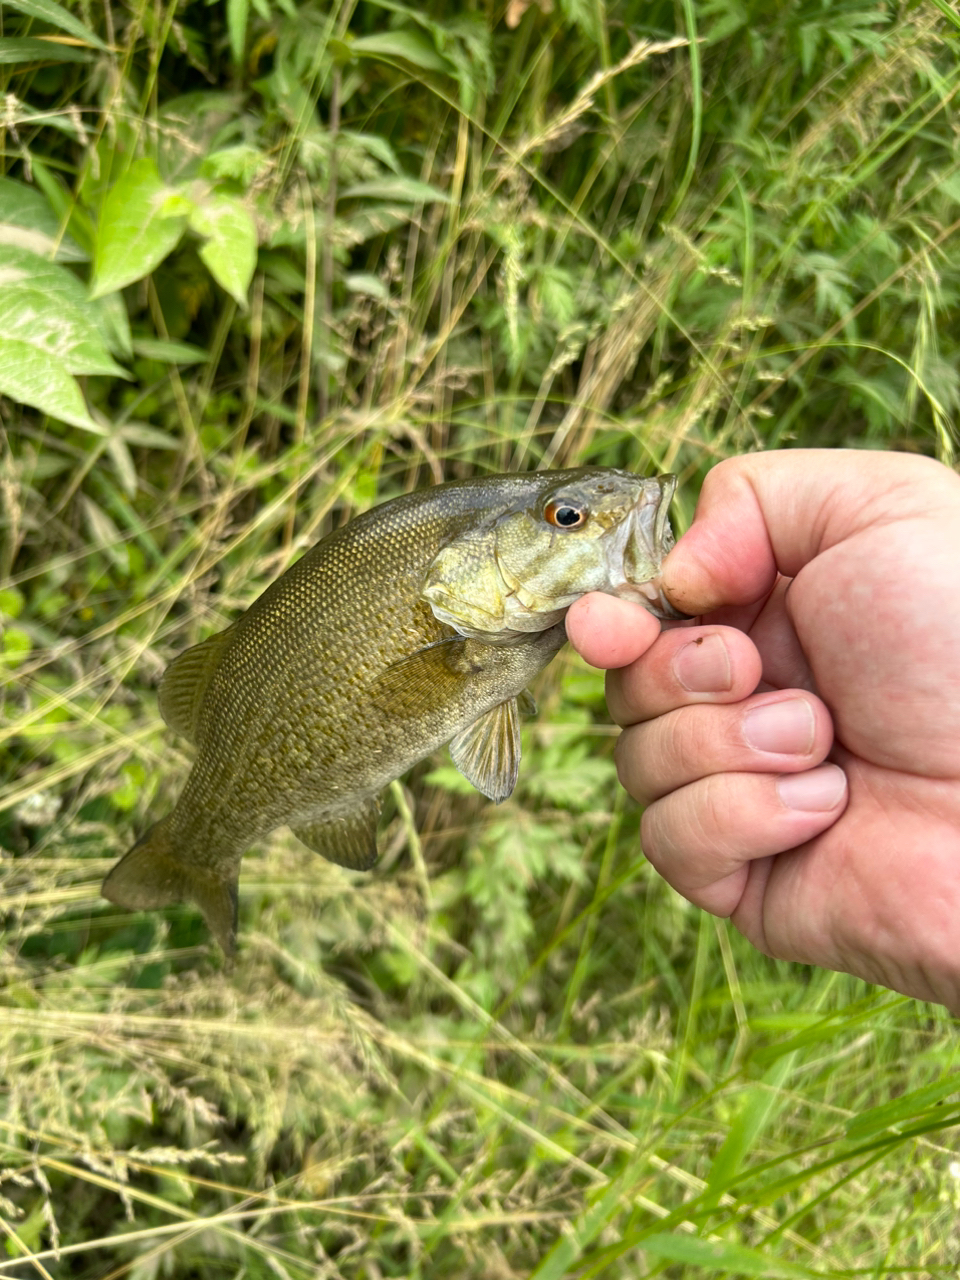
column 655, row 601
column 646, row 540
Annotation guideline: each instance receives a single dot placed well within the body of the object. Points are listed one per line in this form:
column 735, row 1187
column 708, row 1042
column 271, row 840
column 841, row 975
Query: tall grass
column 640, row 235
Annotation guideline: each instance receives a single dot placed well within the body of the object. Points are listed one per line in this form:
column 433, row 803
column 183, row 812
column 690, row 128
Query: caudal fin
column 153, row 875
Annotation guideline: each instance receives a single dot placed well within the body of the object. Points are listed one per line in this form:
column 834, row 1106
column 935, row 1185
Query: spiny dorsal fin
column 349, row 840
column 152, row 875
column 185, row 682
column 487, row 752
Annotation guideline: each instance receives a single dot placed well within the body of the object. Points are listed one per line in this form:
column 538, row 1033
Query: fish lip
column 668, row 487
column 652, row 545
column 658, row 604
column 652, row 597
column 665, row 610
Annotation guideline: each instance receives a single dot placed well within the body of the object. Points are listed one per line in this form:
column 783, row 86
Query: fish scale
column 418, row 623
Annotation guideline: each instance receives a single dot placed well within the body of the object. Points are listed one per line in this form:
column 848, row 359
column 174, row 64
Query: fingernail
column 703, row 665
column 816, row 791
column 784, row 727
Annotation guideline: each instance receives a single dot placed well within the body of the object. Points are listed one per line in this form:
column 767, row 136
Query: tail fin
column 152, row 874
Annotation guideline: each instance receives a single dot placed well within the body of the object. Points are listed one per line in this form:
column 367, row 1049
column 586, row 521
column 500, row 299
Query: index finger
column 683, row 667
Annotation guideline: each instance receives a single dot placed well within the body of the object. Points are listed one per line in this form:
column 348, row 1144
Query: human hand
column 798, row 750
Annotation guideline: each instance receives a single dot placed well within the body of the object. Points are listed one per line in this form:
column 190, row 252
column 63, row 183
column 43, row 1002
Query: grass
column 647, row 236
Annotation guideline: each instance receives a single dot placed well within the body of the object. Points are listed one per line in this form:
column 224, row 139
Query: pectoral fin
column 349, row 840
column 429, row 677
column 487, row 752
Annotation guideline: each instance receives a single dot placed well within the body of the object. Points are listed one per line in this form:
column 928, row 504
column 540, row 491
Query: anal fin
column 348, row 839
column 487, row 752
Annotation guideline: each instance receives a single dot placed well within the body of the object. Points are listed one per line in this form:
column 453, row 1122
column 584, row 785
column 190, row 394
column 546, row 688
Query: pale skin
column 798, row 747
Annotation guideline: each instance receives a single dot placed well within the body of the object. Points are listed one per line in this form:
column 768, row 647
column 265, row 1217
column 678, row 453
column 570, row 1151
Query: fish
column 419, row 623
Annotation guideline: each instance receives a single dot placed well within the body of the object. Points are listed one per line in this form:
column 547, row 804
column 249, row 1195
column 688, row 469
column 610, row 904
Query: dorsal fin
column 185, row 682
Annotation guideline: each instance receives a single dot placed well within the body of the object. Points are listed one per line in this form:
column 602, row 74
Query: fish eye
column 564, row 515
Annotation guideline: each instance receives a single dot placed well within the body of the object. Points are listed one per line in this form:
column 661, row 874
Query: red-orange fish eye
column 564, row 515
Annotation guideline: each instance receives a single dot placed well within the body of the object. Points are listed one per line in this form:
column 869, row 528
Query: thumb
column 770, row 513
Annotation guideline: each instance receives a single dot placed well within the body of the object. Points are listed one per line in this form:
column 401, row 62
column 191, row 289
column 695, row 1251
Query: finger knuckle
column 682, row 837
column 698, row 824
column 633, row 765
column 691, row 742
column 712, row 818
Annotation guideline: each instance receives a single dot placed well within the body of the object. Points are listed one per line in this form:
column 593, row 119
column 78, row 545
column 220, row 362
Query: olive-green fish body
column 419, row 623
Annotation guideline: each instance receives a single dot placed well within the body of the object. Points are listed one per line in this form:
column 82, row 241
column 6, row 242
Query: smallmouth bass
column 418, row 623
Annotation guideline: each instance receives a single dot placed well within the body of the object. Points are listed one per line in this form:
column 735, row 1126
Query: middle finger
column 781, row 732
column 684, row 666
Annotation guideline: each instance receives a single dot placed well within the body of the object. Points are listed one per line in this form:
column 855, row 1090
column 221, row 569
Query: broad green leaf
column 64, row 205
column 114, row 324
column 105, row 534
column 30, row 315
column 46, row 307
column 373, row 220
column 38, row 379
column 722, row 1257
column 57, row 16
column 370, row 285
column 123, row 464
column 34, row 49
column 238, row 12
column 11, row 602
column 141, row 221
column 141, row 433
column 407, row 45
column 408, row 190
column 28, row 222
column 950, row 186
column 241, row 164
column 169, row 352
column 16, row 646
column 372, row 145
column 230, row 250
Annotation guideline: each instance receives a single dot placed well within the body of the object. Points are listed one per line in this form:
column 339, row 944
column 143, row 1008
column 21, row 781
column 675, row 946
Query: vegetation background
column 262, row 264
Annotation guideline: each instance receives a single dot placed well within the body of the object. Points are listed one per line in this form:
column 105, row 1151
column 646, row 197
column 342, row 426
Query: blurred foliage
column 263, row 264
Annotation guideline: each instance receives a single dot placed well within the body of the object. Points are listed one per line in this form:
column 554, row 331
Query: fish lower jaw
column 651, row 595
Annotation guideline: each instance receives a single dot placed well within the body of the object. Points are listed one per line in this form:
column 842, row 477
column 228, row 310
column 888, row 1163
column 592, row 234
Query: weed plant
column 263, row 264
